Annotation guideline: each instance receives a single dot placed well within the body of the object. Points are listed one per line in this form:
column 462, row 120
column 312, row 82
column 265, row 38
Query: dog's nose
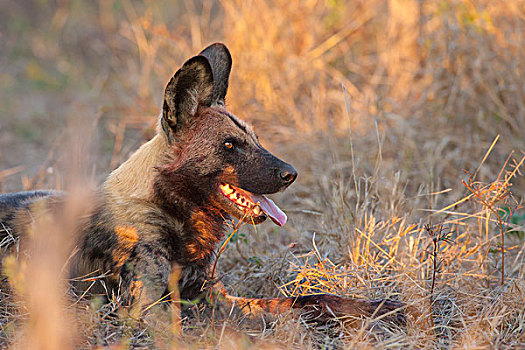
column 288, row 174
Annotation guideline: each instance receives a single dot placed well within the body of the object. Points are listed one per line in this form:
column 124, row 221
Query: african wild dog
column 168, row 204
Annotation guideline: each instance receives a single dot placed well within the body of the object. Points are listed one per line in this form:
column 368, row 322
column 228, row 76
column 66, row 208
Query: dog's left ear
column 191, row 87
column 221, row 64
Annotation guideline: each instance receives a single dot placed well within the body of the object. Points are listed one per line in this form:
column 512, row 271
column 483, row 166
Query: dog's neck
column 140, row 178
column 180, row 195
column 135, row 177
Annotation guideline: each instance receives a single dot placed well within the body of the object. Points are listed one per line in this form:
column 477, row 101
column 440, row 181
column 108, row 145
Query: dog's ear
column 191, row 87
column 221, row 64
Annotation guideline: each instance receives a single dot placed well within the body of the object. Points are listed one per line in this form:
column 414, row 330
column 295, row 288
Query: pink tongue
column 272, row 210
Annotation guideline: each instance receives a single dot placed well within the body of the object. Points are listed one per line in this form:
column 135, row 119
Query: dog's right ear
column 221, row 64
column 189, row 88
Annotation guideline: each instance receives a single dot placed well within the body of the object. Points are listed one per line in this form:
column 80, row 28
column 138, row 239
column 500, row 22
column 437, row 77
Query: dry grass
column 390, row 110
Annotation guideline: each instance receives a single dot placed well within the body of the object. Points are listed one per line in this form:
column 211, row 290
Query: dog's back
column 14, row 207
column 11, row 203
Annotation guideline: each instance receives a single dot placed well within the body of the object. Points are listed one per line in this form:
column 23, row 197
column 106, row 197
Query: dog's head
column 215, row 158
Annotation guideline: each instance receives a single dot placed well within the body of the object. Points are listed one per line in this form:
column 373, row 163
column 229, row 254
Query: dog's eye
column 228, row 144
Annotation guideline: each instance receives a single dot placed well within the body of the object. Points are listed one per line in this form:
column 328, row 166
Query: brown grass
column 389, row 110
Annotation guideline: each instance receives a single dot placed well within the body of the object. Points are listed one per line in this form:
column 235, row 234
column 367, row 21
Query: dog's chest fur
column 120, row 231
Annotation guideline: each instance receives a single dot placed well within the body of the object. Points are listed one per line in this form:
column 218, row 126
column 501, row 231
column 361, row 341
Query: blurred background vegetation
column 439, row 79
column 382, row 105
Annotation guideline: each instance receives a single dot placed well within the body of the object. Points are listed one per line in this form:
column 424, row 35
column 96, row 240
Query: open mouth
column 250, row 204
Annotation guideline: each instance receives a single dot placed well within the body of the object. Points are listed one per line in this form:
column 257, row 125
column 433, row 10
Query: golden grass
column 397, row 114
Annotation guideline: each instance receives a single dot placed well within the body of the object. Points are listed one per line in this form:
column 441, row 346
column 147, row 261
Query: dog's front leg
column 145, row 277
column 319, row 308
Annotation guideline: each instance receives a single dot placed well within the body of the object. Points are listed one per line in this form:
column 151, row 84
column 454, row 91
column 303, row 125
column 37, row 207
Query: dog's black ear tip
column 217, row 44
column 217, row 49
